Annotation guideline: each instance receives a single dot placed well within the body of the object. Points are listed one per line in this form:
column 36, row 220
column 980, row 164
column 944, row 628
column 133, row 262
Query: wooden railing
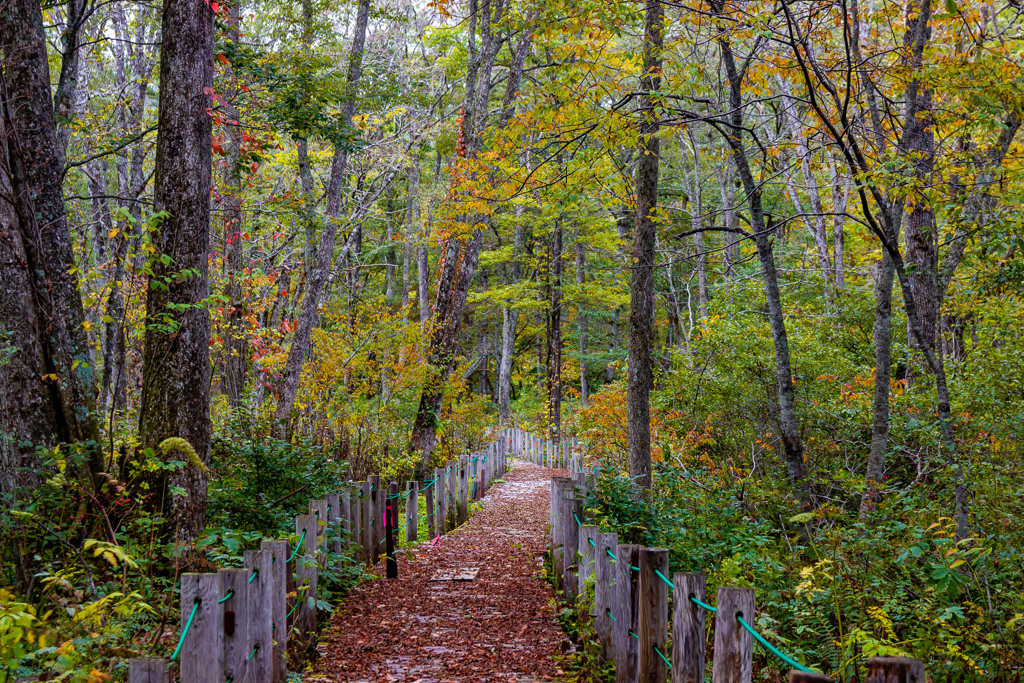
column 238, row 625
column 630, row 587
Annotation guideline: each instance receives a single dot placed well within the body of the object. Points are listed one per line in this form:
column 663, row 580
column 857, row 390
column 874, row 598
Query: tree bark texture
column 641, row 303
column 176, row 357
column 34, row 170
column 554, row 359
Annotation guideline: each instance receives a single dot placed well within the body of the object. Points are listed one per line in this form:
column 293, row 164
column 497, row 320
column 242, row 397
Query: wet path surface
column 499, row 627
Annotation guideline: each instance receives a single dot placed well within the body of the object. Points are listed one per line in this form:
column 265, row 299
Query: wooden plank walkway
column 501, row 626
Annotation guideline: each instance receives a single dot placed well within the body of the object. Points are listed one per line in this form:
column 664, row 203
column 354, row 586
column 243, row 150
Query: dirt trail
column 499, row 627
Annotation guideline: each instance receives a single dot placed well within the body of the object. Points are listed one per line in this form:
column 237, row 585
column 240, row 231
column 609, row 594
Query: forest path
column 498, row 627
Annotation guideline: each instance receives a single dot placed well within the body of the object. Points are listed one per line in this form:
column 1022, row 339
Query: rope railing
column 188, row 625
column 668, row 582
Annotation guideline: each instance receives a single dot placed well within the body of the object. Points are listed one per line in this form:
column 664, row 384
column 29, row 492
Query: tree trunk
column 175, row 399
column 882, row 338
column 309, row 315
column 235, row 364
column 789, row 428
column 581, row 316
column 509, row 323
column 35, row 168
column 554, row 359
column 641, row 302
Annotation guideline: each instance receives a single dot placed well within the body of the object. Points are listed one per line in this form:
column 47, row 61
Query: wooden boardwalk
column 500, row 626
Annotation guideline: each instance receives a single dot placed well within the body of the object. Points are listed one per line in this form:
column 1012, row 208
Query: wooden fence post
column 333, row 539
column 148, row 670
column 588, row 544
column 365, row 517
column 412, row 512
column 895, row 670
column 377, row 496
column 570, row 541
column 202, row 653
column 277, row 578
column 318, row 508
column 390, row 514
column 439, row 502
column 557, row 530
column 261, row 615
column 345, row 512
column 625, row 612
column 463, row 486
column 604, row 592
column 734, row 646
column 451, row 496
column 305, row 580
column 688, row 628
column 802, row 677
column 653, row 619
column 428, row 502
column 235, row 582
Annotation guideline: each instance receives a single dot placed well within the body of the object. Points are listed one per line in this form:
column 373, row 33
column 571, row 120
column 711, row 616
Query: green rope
column 293, row 610
column 591, row 541
column 636, row 569
column 609, row 613
column 255, row 573
column 254, row 651
column 231, row 594
column 663, row 658
column 771, row 648
column 703, row 605
column 578, row 522
column 662, row 577
column 184, row 631
column 297, row 546
column 633, row 634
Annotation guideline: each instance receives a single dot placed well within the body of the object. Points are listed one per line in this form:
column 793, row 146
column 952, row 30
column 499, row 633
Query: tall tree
column 34, row 166
column 309, row 315
column 641, row 302
column 175, row 393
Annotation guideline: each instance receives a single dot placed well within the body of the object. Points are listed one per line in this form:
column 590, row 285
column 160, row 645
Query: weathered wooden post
column 439, row 502
column 412, row 512
column 587, row 546
column 604, row 592
column 451, row 495
column 653, row 619
column 345, row 511
column 278, row 580
column 234, row 587
column 333, row 539
column 377, row 497
column 318, row 508
column 626, row 614
column 804, row 677
column 365, row 522
column 148, row 670
column 202, row 650
column 688, row 628
column 260, row 662
column 463, row 487
column 428, row 501
column 389, row 514
column 895, row 670
column 570, row 540
column 557, row 528
column 734, row 646
column 305, row 573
